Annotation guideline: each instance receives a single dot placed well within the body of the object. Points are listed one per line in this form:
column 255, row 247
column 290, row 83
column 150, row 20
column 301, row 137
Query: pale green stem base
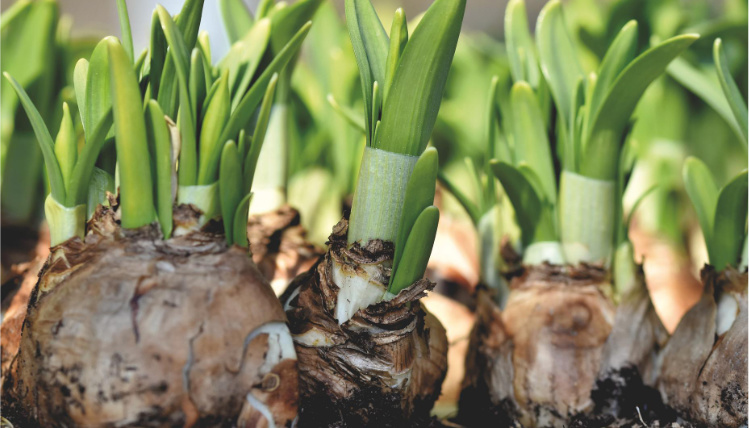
column 64, row 222
column 205, row 197
column 269, row 182
column 586, row 213
column 380, row 192
column 625, row 269
column 489, row 259
column 744, row 255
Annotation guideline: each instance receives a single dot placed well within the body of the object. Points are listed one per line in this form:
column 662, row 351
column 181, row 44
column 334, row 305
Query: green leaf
column 729, row 227
column 178, row 53
column 465, row 202
column 523, row 197
column 264, row 7
column 230, row 186
column 97, row 187
column 197, row 82
column 732, row 92
column 98, row 96
column 161, row 152
column 419, row 195
column 707, row 88
column 237, row 18
column 413, row 101
column 244, row 57
column 84, row 167
column 127, row 35
column 246, row 107
column 601, row 146
column 521, row 51
column 370, row 43
column 136, row 188
column 352, row 117
column 66, row 146
column 157, row 54
column 703, row 192
column 288, row 20
column 215, row 119
column 618, row 56
column 54, row 173
column 531, row 142
column 240, row 222
column 398, row 40
column 558, row 57
column 79, row 84
column 417, row 250
column 261, row 128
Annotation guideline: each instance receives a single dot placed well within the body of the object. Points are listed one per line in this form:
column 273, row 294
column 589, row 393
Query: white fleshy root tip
column 280, row 344
column 205, row 198
column 540, row 252
column 728, row 310
column 64, row 222
column 355, row 292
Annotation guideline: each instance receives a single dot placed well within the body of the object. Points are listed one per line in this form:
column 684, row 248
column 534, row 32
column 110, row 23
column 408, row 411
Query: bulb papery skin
column 630, row 364
column 704, row 369
column 126, row 329
column 382, row 367
column 535, row 362
column 279, row 246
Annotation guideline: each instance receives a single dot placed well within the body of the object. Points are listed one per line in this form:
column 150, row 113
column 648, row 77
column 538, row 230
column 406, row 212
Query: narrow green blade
column 703, row 192
column 398, row 40
column 414, row 99
column 521, row 51
column 417, row 250
column 419, row 195
column 66, row 147
column 127, row 35
column 98, row 96
column 240, row 222
column 258, row 138
column 531, row 142
column 45, row 141
column 465, row 202
column 136, row 188
column 558, row 57
column 161, row 152
column 523, row 197
column 732, row 92
column 601, row 146
column 230, row 187
column 237, row 18
column 729, row 228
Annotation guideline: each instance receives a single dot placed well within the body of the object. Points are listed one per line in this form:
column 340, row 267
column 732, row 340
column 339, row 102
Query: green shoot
column 722, row 214
column 136, row 190
column 237, row 19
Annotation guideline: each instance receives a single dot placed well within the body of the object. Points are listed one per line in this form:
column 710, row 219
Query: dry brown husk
column 382, row 368
column 279, row 246
column 535, row 363
column 630, row 362
column 704, row 375
column 126, row 329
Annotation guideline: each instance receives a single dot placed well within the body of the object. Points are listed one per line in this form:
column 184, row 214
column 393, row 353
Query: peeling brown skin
column 535, row 363
column 630, row 364
column 704, row 376
column 126, row 329
column 353, row 381
column 279, row 246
